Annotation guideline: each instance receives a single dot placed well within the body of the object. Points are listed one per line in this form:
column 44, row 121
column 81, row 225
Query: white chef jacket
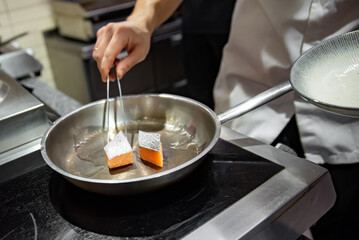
column 266, row 38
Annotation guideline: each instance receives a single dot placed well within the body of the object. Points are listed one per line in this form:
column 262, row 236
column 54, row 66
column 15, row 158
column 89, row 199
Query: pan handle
column 255, row 102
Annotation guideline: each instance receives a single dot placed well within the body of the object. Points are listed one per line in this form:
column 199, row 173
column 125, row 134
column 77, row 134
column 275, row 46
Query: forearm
column 152, row 13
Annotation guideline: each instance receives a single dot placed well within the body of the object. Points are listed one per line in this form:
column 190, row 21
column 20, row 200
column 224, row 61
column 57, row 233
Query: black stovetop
column 42, row 204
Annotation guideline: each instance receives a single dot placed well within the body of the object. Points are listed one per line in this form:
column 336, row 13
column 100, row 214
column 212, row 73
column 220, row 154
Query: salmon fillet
column 150, row 148
column 118, row 152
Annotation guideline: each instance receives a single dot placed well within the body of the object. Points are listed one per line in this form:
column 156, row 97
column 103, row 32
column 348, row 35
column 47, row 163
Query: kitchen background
column 33, row 17
column 162, row 71
column 61, row 36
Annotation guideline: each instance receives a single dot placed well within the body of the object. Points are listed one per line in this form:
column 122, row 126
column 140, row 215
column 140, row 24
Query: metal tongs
column 108, row 105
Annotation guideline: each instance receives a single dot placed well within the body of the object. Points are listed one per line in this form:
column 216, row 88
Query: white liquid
column 338, row 86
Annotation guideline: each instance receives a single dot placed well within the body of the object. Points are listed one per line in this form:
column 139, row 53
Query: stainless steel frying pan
column 73, row 146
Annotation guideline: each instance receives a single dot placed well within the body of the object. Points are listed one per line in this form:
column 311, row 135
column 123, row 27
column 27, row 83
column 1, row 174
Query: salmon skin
column 150, row 148
column 118, row 152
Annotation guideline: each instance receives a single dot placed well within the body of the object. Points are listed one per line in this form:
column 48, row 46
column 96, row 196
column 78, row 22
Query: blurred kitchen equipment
column 22, row 117
column 75, row 71
column 3, row 43
column 26, row 105
column 19, row 64
column 81, row 19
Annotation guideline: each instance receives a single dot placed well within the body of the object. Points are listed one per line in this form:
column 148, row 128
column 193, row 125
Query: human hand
column 112, row 39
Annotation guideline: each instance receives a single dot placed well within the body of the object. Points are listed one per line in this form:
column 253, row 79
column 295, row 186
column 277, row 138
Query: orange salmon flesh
column 152, row 156
column 120, row 161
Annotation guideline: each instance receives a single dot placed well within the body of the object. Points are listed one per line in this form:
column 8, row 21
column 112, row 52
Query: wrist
column 143, row 22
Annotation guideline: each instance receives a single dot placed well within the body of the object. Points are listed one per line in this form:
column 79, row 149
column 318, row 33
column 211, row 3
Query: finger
column 104, row 36
column 112, row 76
column 97, row 56
column 125, row 64
column 114, row 47
column 100, row 44
column 116, row 62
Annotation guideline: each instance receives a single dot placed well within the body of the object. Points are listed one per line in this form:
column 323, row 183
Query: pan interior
column 76, row 144
column 328, row 74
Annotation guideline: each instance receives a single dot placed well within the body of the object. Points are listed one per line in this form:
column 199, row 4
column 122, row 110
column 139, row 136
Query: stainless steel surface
column 4, row 89
column 56, row 100
column 108, row 109
column 255, row 102
column 122, row 107
column 59, row 102
column 74, row 144
column 19, row 151
column 281, row 208
column 327, row 75
column 22, row 116
column 19, row 64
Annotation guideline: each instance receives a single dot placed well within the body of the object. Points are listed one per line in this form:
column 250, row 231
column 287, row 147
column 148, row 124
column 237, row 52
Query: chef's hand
column 112, row 39
column 134, row 35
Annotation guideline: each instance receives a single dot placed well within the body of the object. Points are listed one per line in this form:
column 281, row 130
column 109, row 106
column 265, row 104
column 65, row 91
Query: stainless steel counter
column 282, row 208
column 22, row 116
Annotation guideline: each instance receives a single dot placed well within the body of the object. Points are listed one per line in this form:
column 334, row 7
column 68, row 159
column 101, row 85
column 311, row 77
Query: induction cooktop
column 44, row 205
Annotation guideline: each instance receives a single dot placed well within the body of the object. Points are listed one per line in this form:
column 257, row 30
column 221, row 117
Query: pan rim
column 137, row 179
